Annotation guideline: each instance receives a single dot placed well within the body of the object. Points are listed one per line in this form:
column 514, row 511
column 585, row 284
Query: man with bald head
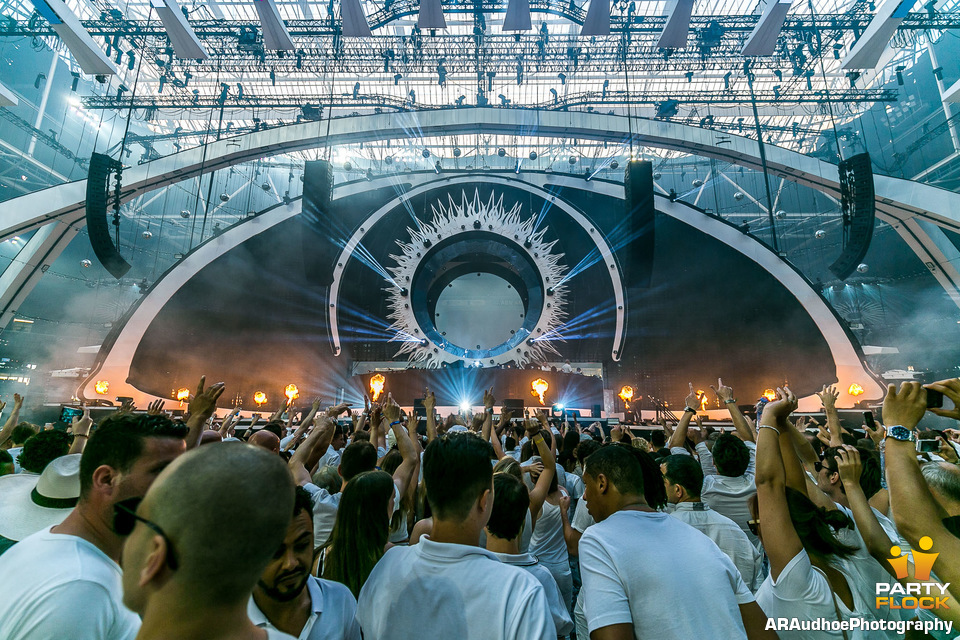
column 266, row 440
column 201, row 538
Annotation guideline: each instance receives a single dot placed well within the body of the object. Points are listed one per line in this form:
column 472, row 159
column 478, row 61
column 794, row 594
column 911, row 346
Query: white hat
column 457, row 428
column 30, row 503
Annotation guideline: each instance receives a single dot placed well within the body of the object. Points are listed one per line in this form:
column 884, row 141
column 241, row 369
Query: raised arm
column 540, row 490
column 81, row 431
column 779, row 536
column 915, row 511
column 828, row 396
column 304, row 424
column 878, row 544
column 13, row 420
column 430, row 404
column 802, row 446
column 309, row 453
column 488, row 402
column 402, row 476
column 201, row 407
column 495, row 436
column 679, row 437
column 725, row 395
column 228, row 422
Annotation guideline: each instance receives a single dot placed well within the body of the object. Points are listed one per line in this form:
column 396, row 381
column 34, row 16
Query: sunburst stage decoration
column 509, row 234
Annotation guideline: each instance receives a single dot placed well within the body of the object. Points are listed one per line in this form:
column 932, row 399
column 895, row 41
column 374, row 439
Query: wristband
column 395, row 423
column 766, row 426
column 730, row 401
column 690, row 410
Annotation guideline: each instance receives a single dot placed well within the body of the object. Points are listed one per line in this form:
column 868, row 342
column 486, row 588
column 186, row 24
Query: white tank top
column 547, row 542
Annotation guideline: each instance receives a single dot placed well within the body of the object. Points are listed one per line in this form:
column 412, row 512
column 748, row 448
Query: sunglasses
column 125, row 518
column 754, row 526
column 819, row 466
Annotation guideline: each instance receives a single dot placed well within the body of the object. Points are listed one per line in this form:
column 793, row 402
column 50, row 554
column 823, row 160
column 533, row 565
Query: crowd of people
column 374, row 524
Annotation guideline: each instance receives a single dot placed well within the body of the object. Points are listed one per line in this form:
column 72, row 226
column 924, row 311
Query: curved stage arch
column 115, row 359
column 915, row 210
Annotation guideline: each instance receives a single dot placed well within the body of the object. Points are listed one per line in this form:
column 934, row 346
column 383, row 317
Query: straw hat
column 31, row 502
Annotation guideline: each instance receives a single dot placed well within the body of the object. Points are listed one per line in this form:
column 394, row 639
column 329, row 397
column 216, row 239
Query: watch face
column 900, row 433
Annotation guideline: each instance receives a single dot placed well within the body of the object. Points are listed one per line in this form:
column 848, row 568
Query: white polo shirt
column 728, row 536
column 333, row 616
column 561, row 617
column 442, row 590
column 61, row 586
column 726, row 495
column 623, row 582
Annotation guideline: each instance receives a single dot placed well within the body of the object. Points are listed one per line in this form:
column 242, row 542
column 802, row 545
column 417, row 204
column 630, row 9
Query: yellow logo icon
column 922, row 562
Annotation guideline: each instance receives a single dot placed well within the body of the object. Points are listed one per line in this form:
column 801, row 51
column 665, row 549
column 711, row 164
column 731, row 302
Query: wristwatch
column 899, row 432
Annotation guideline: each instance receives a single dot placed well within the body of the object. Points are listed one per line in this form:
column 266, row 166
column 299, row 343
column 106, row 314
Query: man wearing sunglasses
column 68, row 577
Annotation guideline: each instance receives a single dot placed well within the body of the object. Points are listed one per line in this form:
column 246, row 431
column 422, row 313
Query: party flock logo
column 919, row 593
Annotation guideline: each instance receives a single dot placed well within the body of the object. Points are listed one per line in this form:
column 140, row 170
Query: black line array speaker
column 98, row 195
column 637, row 253
column 859, row 212
column 319, row 249
column 513, row 404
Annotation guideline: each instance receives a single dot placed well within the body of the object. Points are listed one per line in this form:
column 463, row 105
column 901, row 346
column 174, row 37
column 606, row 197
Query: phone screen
column 928, row 446
column 67, row 414
column 868, row 419
column 934, row 399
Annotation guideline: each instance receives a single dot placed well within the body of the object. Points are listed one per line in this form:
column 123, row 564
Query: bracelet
column 766, row 426
column 690, row 410
column 393, row 424
column 730, row 401
column 80, row 435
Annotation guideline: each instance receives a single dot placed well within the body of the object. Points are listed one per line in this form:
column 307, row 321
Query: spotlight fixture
column 550, row 291
column 426, row 243
column 614, row 165
column 527, row 244
column 572, row 160
column 456, row 152
column 533, row 155
column 501, row 152
column 425, row 153
column 477, row 225
column 404, row 292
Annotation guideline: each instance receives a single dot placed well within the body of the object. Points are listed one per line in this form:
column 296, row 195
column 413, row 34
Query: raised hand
column 906, row 406
column 951, row 389
column 336, row 410
column 204, row 403
column 564, row 502
column 17, row 401
column 697, row 435
column 155, row 408
column 848, row 464
column 127, row 407
column 616, row 433
column 391, row 410
column 723, row 392
column 488, row 399
column 828, row 396
column 875, row 434
column 780, row 409
column 429, row 401
column 81, row 424
column 946, row 451
column 692, row 401
column 541, row 416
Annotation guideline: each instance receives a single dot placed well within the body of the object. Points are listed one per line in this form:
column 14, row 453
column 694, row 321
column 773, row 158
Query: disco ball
column 738, row 196
column 862, row 268
column 147, row 234
column 388, row 160
column 265, row 186
column 456, row 152
column 614, row 165
column 698, row 182
column 224, row 197
column 533, row 155
column 819, row 234
column 572, row 160
column 657, row 175
column 347, row 166
column 780, row 214
column 501, row 152
column 184, row 214
column 425, row 153
column 85, row 263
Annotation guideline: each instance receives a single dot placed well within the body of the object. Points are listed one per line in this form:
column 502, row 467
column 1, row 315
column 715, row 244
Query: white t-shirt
column 60, row 586
column 561, row 617
column 623, row 582
column 728, row 536
column 729, row 496
column 440, row 590
column 325, row 507
column 330, row 459
column 802, row 591
column 15, row 453
column 581, row 517
column 333, row 616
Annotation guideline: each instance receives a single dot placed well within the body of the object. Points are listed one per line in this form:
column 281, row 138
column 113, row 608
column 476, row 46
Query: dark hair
column 654, row 492
column 658, row 439
column 684, row 471
column 356, row 458
column 361, row 436
column 456, row 471
column 730, row 456
column 275, row 428
column 40, row 449
column 816, row 527
column 361, row 530
column 510, row 443
column 585, row 448
column 570, row 441
column 526, row 451
column 392, row 460
column 118, row 442
column 5, row 457
column 302, row 501
column 510, row 505
column 870, row 472
column 21, row 432
column 619, row 466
